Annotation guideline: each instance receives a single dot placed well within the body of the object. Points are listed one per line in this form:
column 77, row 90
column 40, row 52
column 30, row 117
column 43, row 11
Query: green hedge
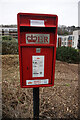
column 7, row 38
column 9, row 47
column 67, row 54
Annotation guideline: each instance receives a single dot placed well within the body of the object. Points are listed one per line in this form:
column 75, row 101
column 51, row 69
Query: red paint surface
column 26, row 51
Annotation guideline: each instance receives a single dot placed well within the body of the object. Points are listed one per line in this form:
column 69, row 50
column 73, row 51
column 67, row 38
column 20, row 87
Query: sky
column 67, row 10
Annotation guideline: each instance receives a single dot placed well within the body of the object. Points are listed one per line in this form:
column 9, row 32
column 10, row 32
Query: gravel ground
column 59, row 101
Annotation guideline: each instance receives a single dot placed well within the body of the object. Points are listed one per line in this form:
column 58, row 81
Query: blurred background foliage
column 65, row 54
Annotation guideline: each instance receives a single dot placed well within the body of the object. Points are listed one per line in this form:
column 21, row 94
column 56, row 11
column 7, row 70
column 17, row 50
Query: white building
column 8, row 31
column 69, row 40
column 64, row 41
column 76, row 36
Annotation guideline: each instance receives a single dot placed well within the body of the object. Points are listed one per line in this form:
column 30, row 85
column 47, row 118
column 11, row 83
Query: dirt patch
column 59, row 101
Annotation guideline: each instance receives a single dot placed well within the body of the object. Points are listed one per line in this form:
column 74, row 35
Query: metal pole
column 79, row 87
column 36, row 103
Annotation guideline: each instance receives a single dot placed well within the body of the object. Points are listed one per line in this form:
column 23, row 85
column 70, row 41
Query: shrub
column 9, row 47
column 7, row 38
column 67, row 54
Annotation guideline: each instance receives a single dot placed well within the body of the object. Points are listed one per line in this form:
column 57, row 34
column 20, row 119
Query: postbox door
column 44, row 69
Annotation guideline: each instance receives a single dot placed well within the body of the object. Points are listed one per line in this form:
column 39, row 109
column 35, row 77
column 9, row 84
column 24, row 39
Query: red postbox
column 37, row 37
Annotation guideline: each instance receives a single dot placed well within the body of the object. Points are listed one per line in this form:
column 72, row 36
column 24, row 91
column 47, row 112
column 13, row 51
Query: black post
column 36, row 103
column 79, row 79
column 79, row 88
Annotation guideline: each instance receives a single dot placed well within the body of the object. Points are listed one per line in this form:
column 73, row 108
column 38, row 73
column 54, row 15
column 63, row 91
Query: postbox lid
column 37, row 20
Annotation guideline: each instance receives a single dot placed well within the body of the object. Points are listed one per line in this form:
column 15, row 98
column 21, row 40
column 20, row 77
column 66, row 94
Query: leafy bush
column 67, row 54
column 7, row 38
column 9, row 47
